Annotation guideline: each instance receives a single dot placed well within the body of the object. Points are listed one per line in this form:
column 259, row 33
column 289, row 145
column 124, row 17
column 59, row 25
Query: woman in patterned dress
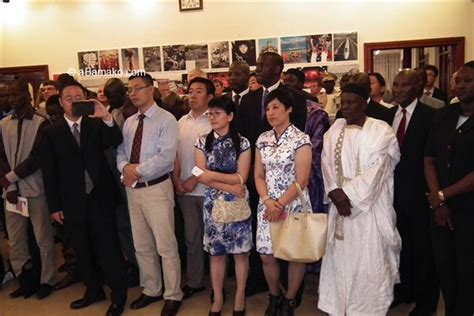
column 223, row 155
column 283, row 157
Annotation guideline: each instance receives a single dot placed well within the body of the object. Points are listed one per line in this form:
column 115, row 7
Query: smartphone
column 83, row 108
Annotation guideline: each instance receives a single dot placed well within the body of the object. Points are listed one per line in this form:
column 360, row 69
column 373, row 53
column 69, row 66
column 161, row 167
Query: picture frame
column 189, row 5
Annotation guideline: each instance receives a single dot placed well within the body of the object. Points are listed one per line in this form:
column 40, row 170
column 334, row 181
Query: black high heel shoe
column 214, row 314
column 238, row 313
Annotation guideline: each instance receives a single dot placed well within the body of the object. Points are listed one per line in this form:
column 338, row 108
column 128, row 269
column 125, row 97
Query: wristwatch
column 441, row 195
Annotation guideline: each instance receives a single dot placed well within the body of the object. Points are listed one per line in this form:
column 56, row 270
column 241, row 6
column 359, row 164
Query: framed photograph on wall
column 345, row 46
column 187, row 5
column 293, row 49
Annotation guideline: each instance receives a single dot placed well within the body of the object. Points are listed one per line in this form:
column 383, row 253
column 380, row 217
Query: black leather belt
column 152, row 182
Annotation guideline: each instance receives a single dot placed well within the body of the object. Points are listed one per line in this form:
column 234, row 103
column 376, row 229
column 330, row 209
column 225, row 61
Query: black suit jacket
column 64, row 164
column 410, row 184
column 440, row 95
column 374, row 110
column 249, row 118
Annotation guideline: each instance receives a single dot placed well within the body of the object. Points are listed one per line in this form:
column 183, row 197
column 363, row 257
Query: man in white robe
column 360, row 267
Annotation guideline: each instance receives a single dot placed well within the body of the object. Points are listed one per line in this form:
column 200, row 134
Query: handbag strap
column 303, row 204
column 240, row 178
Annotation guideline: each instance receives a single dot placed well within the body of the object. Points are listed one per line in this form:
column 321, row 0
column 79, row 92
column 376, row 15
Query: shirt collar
column 270, row 89
column 241, row 93
column 430, row 90
column 28, row 113
column 410, row 108
column 70, row 123
column 150, row 112
column 190, row 115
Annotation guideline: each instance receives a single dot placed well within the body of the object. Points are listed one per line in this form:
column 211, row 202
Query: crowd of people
column 122, row 187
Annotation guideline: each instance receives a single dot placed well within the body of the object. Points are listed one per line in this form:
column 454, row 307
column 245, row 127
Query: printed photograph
column 244, row 50
column 130, row 59
column 311, row 74
column 293, row 49
column 221, row 78
column 268, row 45
column 319, row 48
column 199, row 54
column 173, row 58
column 88, row 60
column 220, row 57
column 152, row 58
column 345, row 46
column 109, row 59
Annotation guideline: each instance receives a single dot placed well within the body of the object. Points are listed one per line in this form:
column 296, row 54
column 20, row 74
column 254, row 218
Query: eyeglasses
column 72, row 99
column 136, row 89
column 214, row 114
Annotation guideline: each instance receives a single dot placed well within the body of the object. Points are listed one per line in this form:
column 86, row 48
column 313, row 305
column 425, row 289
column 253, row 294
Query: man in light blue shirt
column 145, row 159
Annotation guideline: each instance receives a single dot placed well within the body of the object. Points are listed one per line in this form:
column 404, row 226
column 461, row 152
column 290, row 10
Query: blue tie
column 264, row 96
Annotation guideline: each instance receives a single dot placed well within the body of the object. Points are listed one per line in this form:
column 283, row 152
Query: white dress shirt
column 190, row 128
column 398, row 115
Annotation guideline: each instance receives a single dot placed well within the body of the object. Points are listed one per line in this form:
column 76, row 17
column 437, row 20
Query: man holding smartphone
column 82, row 196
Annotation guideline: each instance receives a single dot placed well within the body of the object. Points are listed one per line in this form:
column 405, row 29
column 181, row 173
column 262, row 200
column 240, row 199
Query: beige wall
column 1, row 45
column 52, row 32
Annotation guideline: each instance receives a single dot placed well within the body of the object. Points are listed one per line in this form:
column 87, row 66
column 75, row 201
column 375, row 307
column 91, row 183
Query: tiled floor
column 58, row 303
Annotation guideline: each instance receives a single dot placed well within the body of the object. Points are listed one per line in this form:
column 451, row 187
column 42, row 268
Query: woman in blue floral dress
column 223, row 155
column 283, row 157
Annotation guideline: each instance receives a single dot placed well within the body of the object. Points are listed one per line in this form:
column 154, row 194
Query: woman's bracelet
column 265, row 198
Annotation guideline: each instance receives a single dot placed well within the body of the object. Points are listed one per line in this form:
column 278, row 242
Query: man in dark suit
column 82, row 195
column 294, row 79
column 373, row 109
column 411, row 121
column 251, row 122
column 430, row 90
column 239, row 75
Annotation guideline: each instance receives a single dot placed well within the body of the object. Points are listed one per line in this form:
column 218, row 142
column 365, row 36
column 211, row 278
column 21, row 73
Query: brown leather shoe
column 171, row 308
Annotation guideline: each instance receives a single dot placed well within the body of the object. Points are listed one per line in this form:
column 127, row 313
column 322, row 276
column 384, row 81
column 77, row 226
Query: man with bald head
column 239, row 75
column 411, row 121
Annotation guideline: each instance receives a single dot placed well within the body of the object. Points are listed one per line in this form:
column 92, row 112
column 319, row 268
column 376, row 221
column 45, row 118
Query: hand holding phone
column 83, row 108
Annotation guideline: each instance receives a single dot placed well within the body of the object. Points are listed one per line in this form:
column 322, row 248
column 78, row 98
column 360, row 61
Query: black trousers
column 454, row 256
column 99, row 255
column 256, row 277
column 417, row 267
column 70, row 260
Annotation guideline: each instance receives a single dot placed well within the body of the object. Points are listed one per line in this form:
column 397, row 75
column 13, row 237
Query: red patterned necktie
column 401, row 128
column 137, row 141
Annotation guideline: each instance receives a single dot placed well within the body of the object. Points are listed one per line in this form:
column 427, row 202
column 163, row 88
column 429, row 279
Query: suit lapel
column 259, row 95
column 390, row 115
column 85, row 131
column 414, row 121
column 68, row 134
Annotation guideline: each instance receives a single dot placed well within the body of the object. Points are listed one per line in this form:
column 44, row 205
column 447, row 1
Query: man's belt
column 152, row 182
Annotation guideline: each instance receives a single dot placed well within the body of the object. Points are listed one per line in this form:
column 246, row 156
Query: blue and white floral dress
column 228, row 238
column 278, row 160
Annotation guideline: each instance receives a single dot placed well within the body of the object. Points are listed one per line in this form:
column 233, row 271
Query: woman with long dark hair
column 224, row 156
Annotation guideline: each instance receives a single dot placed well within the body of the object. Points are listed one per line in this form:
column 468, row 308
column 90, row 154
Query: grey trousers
column 43, row 229
column 191, row 208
